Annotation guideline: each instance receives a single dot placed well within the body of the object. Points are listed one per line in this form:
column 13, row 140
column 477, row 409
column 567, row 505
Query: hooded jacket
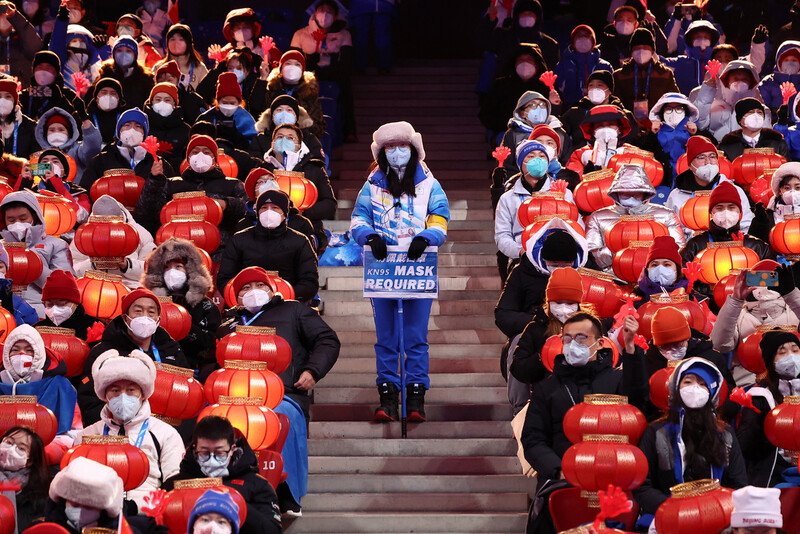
column 770, row 86
column 776, row 204
column 331, row 51
column 629, row 179
column 53, row 251
column 519, row 129
column 82, row 151
column 573, row 71
column 63, row 34
column 306, row 92
column 673, row 139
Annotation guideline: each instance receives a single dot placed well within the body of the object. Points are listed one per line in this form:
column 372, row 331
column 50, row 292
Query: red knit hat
column 170, row 67
column 296, row 55
column 543, row 129
column 664, row 247
column 565, row 284
column 61, row 284
column 724, row 192
column 58, row 118
column 10, row 85
column 584, row 29
column 228, row 85
column 252, row 178
column 138, row 293
column 251, row 274
column 164, row 87
column 698, row 145
column 669, row 326
column 202, row 140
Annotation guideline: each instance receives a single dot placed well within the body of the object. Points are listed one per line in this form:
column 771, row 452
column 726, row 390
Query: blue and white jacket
column 399, row 220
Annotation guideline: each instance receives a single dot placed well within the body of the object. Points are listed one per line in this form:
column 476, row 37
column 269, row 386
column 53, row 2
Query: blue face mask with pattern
column 537, row 115
column 398, row 156
column 536, row 167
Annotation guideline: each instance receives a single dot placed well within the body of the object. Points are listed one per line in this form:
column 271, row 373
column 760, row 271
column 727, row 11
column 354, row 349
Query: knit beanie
column 642, row 36
column 138, row 293
column 58, row 118
column 62, row 159
column 170, row 67
column 60, row 284
column 216, row 502
column 109, row 83
column 724, row 192
column 10, row 85
column 746, row 105
column 285, row 100
column 296, row 55
column 664, row 247
column 228, row 85
column 184, row 31
column 135, row 115
column 565, row 284
column 251, row 274
column 605, row 76
column 559, row 246
column 669, row 325
column 133, row 18
column 583, row 28
column 771, row 341
column 526, row 147
column 202, row 140
column 696, row 145
column 164, row 87
column 273, row 196
column 48, row 57
column 543, row 129
column 756, row 507
column 127, row 42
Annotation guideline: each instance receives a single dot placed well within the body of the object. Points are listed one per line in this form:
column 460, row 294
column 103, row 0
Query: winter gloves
column 378, row 246
column 417, row 247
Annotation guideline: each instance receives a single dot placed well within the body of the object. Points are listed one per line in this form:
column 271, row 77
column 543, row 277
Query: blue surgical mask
column 629, row 202
column 284, row 117
column 240, row 74
column 284, row 145
column 124, row 406
column 536, row 167
column 124, row 59
column 661, row 274
column 398, row 156
column 537, row 115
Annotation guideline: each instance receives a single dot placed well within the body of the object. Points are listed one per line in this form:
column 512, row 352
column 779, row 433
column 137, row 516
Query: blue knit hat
column 135, row 115
column 128, row 42
column 705, row 370
column 526, row 147
column 216, row 502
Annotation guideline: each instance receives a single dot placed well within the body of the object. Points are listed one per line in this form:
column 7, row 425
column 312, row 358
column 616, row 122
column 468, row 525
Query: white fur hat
column 396, row 132
column 110, row 367
column 791, row 168
column 27, row 333
column 90, row 484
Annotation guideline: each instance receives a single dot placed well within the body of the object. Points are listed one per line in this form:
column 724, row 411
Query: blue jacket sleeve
column 361, row 222
column 438, row 217
column 23, row 312
column 58, row 40
column 245, row 124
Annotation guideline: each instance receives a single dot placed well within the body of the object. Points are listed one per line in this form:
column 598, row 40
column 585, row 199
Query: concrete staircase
column 457, row 472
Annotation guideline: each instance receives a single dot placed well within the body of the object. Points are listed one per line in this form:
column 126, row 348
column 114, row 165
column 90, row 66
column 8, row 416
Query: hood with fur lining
column 197, row 276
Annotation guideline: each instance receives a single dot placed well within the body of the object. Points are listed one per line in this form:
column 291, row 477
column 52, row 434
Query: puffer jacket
column 733, row 145
column 107, row 205
column 630, row 178
column 776, row 206
column 673, row 140
column 161, row 443
column 770, row 86
column 53, row 251
column 329, row 52
column 574, row 69
column 82, row 151
column 662, row 80
column 63, row 34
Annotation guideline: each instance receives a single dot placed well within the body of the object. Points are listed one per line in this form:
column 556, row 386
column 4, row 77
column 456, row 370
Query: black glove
column 499, row 177
column 378, row 246
column 785, row 280
column 761, row 34
column 63, row 13
column 795, row 267
column 100, row 40
column 417, row 247
column 761, row 224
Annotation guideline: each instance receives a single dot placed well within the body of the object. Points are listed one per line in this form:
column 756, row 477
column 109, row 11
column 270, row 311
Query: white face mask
column 22, row 364
column 674, row 117
column 125, row 30
column 790, row 67
column 694, row 396
column 702, row 44
column 58, row 314
column 725, row 218
column 174, row 279
column 200, row 162
column 674, row 354
column 661, row 274
column 255, row 299
column 228, row 109
column 577, row 354
column 11, row 458
column 243, row 35
column 551, row 152
column 143, row 326
column 739, row 87
column 624, row 27
column 642, row 56
column 269, row 185
column 562, row 312
column 583, row 45
column 6, row 106
column 324, row 20
column 292, row 73
column 164, row 109
column 44, row 77
column 606, row 134
column 707, row 172
column 754, row 121
column 107, row 102
column 81, row 517
column 19, row 229
column 629, row 202
column 57, row 138
column 596, row 95
column 270, row 219
column 526, row 70
column 131, row 138
column 791, row 198
column 788, row 367
column 527, row 21
column 240, row 74
column 124, row 406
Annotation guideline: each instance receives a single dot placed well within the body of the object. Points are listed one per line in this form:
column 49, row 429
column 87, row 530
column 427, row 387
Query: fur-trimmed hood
column 306, row 87
column 198, row 278
column 265, row 124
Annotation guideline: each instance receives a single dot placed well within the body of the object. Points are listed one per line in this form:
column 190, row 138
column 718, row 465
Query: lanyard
column 252, row 319
column 139, row 438
column 97, row 124
column 14, row 149
column 636, row 79
column 156, row 355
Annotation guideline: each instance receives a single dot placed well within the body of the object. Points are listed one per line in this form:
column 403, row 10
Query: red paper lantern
column 753, row 163
column 633, row 228
column 634, row 156
column 782, row 426
column 227, row 164
column 550, row 203
column 130, row 462
column 542, row 220
column 8, row 521
column 690, row 309
column 629, row 263
column 120, row 184
column 59, row 215
column 24, row 410
column 177, row 395
column 241, row 378
column 302, row 192
column 24, row 265
column 259, row 425
column 102, row 293
column 659, row 385
column 193, row 228
column 749, row 351
column 282, row 287
column 761, row 188
column 785, row 236
column 73, row 350
column 255, row 343
column 107, row 240
column 192, row 203
column 700, row 506
column 694, row 212
column 553, row 347
column 175, row 319
column 717, row 260
column 591, row 194
column 182, row 499
column 603, row 460
column 725, row 166
column 604, row 414
column 7, row 324
column 724, row 287
column 600, row 292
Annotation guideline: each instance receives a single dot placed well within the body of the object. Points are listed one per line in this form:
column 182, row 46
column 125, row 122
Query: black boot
column 415, row 403
column 387, row 411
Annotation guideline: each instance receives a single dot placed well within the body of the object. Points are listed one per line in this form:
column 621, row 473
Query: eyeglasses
column 218, row 455
column 580, row 338
column 21, row 447
column 542, row 104
column 707, row 157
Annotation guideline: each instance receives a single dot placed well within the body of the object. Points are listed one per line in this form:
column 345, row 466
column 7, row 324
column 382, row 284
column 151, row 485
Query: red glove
column 713, row 67
column 549, row 79
column 95, row 332
column 500, row 154
column 787, row 91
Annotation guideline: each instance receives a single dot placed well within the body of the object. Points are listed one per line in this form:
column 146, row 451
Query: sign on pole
column 398, row 277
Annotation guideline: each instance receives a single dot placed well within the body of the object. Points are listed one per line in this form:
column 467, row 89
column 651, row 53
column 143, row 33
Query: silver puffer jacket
column 629, row 179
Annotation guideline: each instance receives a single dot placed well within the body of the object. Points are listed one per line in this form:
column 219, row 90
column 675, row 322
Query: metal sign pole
column 403, row 414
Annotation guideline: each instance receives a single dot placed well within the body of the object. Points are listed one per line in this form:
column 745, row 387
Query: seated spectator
column 48, row 91
column 55, row 180
column 245, row 163
column 154, row 22
column 62, row 305
column 176, row 269
column 215, row 451
column 21, row 43
column 124, row 383
column 203, row 174
column 30, row 369
column 579, row 61
column 677, row 27
column 11, row 167
column 245, row 65
column 692, row 426
column 787, row 69
column 552, row 139
column 233, row 122
column 106, row 102
column 291, row 77
column 166, row 120
column 180, row 48
column 631, row 192
column 191, row 103
column 74, row 46
column 22, row 459
column 136, row 329
column 58, row 129
column 604, row 127
column 16, row 129
column 131, row 267
column 528, row 23
column 242, row 29
column 662, row 271
column 674, row 121
column 274, row 247
column 22, row 311
column 131, row 25
column 284, row 110
column 615, row 43
column 700, row 39
column 124, row 67
column 24, row 223
column 752, row 132
column 756, row 508
column 214, row 512
column 785, row 201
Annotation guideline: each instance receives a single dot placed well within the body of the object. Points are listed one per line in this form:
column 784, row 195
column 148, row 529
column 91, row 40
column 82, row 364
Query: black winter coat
column 758, row 452
column 296, row 221
column 263, row 142
column 501, row 100
column 198, row 345
column 112, row 158
column 244, row 160
column 106, row 121
column 263, row 512
column 191, row 103
column 315, row 346
column 280, row 249
column 314, row 170
column 523, row 293
column 35, row 100
column 116, row 337
column 25, row 138
column 573, row 117
column 136, row 86
column 527, row 366
column 734, row 145
column 80, row 321
column 543, row 436
column 172, row 129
